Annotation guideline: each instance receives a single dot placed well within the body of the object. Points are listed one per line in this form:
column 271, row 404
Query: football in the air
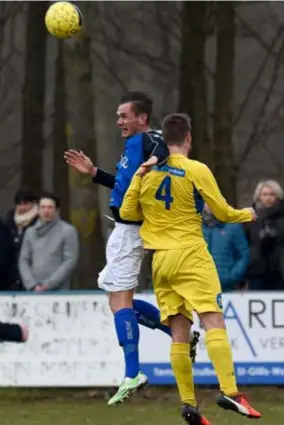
column 63, row 19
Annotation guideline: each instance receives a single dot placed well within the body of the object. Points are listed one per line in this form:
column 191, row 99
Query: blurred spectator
column 228, row 246
column 266, row 238
column 18, row 220
column 6, row 258
column 50, row 250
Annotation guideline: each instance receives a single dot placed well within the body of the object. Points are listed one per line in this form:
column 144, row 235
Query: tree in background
column 33, row 96
column 60, row 140
column 224, row 158
column 192, row 85
column 215, row 147
column 85, row 211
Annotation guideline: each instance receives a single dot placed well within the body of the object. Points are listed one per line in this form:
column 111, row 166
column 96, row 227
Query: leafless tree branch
column 278, row 163
column 257, row 77
column 111, row 69
column 257, row 36
column 260, row 123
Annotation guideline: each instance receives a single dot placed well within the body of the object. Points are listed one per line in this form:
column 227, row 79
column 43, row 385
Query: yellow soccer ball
column 63, row 19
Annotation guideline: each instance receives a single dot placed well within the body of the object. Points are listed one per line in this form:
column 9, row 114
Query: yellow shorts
column 186, row 280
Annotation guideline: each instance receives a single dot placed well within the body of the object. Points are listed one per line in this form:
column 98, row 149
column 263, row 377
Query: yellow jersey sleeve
column 205, row 183
column 130, row 209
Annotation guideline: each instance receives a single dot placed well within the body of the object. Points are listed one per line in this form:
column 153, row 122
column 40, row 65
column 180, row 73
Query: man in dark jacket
column 229, row 248
column 18, row 220
column 6, row 258
column 10, row 332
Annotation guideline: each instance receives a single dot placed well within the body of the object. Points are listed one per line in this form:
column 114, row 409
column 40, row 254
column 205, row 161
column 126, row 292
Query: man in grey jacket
column 49, row 251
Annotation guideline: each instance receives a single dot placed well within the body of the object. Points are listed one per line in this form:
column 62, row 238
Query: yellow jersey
column 170, row 201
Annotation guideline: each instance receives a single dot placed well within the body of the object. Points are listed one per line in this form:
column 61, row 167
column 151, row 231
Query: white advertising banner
column 73, row 342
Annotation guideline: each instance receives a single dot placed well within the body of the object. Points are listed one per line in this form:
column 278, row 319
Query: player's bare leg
column 128, row 335
column 220, row 353
column 182, row 368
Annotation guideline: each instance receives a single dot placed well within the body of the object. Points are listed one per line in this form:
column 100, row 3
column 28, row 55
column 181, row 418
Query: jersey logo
column 178, row 172
column 123, row 161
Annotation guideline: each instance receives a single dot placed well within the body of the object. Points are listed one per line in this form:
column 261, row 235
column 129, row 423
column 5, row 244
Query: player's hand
column 147, row 166
column 80, row 162
column 41, row 287
column 25, row 332
column 253, row 213
column 37, row 288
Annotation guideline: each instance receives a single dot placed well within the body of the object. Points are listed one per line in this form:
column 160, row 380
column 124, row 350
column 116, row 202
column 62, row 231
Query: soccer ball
column 63, row 19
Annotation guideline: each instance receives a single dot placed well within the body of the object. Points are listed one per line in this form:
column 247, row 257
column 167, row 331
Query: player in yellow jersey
column 170, row 201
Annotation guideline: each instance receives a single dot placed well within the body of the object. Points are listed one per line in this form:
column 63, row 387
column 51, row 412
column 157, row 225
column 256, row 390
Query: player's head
column 133, row 113
column 176, row 130
column 49, row 206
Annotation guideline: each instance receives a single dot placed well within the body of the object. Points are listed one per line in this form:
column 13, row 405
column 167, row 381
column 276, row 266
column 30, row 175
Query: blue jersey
column 138, row 149
column 131, row 159
column 136, row 152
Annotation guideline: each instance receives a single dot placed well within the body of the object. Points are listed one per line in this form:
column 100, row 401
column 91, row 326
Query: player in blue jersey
column 124, row 252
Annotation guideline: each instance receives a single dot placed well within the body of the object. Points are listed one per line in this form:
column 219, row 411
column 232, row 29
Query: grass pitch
column 152, row 407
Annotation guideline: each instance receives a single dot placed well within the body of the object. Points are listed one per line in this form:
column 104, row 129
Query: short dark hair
column 25, row 195
column 175, row 128
column 50, row 195
column 141, row 102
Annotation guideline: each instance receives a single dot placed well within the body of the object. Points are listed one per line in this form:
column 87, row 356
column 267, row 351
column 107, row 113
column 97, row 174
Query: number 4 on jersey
column 164, row 192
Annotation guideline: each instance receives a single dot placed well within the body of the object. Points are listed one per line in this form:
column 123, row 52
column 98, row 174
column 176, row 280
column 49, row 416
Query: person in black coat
column 266, row 239
column 6, row 258
column 10, row 332
column 18, row 220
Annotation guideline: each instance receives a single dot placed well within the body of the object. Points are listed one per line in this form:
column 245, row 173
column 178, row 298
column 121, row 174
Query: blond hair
column 273, row 185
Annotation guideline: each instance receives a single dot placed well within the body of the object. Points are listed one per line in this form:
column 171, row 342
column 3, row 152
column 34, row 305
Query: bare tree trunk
column 33, row 97
column 3, row 17
column 60, row 170
column 223, row 117
column 85, row 211
column 192, row 88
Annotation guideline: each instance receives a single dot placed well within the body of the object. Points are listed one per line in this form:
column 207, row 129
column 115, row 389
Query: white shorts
column 124, row 254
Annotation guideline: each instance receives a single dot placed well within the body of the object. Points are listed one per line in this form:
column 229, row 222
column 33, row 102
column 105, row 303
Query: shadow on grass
column 160, row 393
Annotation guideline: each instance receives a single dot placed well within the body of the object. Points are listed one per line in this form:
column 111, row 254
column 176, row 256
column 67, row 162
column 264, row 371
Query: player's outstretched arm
column 82, row 163
column 130, row 209
column 208, row 188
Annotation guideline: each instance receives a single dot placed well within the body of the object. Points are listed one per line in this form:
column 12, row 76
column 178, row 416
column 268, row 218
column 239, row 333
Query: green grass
column 154, row 407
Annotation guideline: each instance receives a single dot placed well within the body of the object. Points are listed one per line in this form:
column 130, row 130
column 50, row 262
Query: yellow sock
column 220, row 353
column 182, row 368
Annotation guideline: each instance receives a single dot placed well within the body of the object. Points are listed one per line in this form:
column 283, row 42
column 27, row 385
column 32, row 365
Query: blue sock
column 148, row 315
column 127, row 331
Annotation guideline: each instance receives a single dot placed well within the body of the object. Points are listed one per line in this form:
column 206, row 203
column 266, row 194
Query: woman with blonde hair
column 267, row 194
column 266, row 237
